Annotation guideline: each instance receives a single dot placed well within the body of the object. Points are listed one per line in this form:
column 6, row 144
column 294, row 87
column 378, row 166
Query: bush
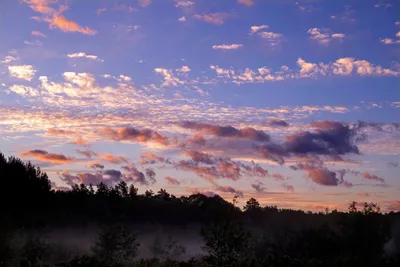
column 165, row 248
column 116, row 244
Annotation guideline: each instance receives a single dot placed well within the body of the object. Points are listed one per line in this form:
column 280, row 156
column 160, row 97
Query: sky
column 294, row 103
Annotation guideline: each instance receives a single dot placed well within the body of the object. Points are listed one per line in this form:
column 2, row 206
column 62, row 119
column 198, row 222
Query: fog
column 66, row 243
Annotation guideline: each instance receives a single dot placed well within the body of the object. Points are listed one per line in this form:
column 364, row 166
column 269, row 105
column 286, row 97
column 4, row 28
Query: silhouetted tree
column 115, row 244
column 226, row 243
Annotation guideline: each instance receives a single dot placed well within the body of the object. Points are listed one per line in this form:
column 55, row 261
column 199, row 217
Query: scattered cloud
column 95, row 165
column 259, row 187
column 374, row 177
column 227, row 131
column 227, row 47
column 288, row 187
column 321, row 176
column 172, row 181
column 213, row 18
column 169, row 78
column 87, row 153
column 271, row 37
column 65, row 25
column 83, row 178
column 113, row 159
column 150, row 158
column 24, row 91
column 132, row 134
column 184, row 3
column 324, row 36
column 277, row 122
column 45, row 156
column 183, row 69
column 82, row 55
column 38, row 34
column 8, row 59
column 24, row 72
column 229, row 189
column 254, row 29
column 132, row 174
column 54, row 17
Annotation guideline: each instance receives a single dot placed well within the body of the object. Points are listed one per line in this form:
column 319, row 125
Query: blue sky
column 109, row 82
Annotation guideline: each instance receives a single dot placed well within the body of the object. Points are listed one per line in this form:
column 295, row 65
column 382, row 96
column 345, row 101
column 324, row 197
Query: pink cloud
column 144, row 3
column 246, row 2
column 172, row 181
column 369, row 176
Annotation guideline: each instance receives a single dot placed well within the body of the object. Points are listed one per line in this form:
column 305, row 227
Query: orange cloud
column 65, row 25
column 41, row 6
column 113, row 159
column 47, row 157
column 80, row 142
column 55, row 18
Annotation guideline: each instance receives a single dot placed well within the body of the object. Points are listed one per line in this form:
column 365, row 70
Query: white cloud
column 341, row 67
column 80, row 79
column 306, row 68
column 324, row 36
column 182, row 19
column 36, row 42
column 247, row 76
column 271, row 37
column 184, row 69
column 338, row 35
column 125, row 78
column 255, row 29
column 25, row 72
column 169, row 78
column 227, row 47
column 82, row 55
column 183, row 3
column 24, row 90
column 389, row 41
column 39, row 34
